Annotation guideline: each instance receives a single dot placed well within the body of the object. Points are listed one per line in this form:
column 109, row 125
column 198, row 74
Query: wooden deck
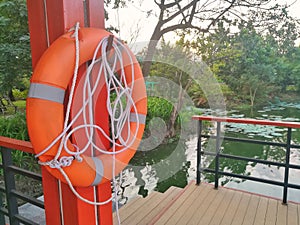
column 206, row 206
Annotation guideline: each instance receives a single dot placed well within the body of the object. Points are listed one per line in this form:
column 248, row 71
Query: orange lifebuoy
column 45, row 108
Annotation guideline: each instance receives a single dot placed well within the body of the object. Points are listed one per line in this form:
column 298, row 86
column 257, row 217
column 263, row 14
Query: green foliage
column 294, row 68
column 15, row 59
column 169, row 61
column 21, row 104
column 20, row 95
column 158, row 107
column 252, row 66
column 14, row 126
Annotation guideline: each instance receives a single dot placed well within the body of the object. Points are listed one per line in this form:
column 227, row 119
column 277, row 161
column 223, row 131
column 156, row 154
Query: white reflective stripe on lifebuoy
column 135, row 117
column 99, row 171
column 46, row 92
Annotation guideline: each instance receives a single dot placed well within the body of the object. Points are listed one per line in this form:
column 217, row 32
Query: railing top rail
column 248, row 121
column 11, row 143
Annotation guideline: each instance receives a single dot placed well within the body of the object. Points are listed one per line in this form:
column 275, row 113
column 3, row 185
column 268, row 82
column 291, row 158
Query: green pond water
column 175, row 164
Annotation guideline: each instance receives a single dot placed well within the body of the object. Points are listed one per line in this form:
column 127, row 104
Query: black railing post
column 217, row 164
column 2, row 218
column 9, row 179
column 287, row 165
column 198, row 175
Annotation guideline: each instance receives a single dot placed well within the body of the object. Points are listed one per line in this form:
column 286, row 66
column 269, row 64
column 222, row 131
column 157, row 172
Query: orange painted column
column 48, row 19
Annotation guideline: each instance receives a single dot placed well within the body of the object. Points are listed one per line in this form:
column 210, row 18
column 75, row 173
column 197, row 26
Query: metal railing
column 9, row 189
column 218, row 154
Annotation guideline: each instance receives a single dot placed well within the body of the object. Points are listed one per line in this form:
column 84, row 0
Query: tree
column 294, row 66
column 252, row 64
column 113, row 4
column 15, row 58
column 203, row 16
column 168, row 61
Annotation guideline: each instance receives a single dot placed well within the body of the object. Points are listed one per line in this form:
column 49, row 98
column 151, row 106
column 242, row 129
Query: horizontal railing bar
column 261, row 142
column 246, row 159
column 294, row 146
column 15, row 144
column 294, row 166
column 252, row 160
column 4, row 211
column 248, row 121
column 28, row 199
column 247, row 140
column 291, row 166
column 278, row 183
column 295, row 186
column 26, row 173
column 24, row 220
column 255, row 141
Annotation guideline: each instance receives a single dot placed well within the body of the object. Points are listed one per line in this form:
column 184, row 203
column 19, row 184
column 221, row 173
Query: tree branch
column 192, row 13
column 182, row 26
column 221, row 14
column 183, row 16
column 180, row 11
column 158, row 4
column 164, row 7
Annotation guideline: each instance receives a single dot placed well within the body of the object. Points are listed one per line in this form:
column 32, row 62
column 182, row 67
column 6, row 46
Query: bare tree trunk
column 176, row 108
column 157, row 34
column 252, row 96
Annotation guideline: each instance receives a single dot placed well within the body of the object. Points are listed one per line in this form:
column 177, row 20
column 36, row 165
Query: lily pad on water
column 259, row 118
column 268, row 136
column 237, row 116
column 276, row 134
column 267, row 109
column 278, row 108
column 291, row 119
column 252, row 130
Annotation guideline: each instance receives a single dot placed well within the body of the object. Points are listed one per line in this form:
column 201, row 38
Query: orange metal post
column 48, row 19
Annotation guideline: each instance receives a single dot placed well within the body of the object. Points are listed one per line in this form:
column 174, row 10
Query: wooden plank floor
column 206, row 206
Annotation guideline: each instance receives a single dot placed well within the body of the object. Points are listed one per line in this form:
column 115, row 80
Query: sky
column 136, row 26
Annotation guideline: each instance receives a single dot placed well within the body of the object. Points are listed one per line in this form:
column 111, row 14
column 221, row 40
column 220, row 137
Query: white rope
column 120, row 110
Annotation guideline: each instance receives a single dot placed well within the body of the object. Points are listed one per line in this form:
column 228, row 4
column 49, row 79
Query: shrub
column 158, row 107
column 14, row 126
column 20, row 95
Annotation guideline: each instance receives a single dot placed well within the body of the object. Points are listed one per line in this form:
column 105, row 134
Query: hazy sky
column 133, row 19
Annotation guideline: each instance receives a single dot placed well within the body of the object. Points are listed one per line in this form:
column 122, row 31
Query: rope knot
column 78, row 158
column 66, row 161
column 57, row 164
column 54, row 164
